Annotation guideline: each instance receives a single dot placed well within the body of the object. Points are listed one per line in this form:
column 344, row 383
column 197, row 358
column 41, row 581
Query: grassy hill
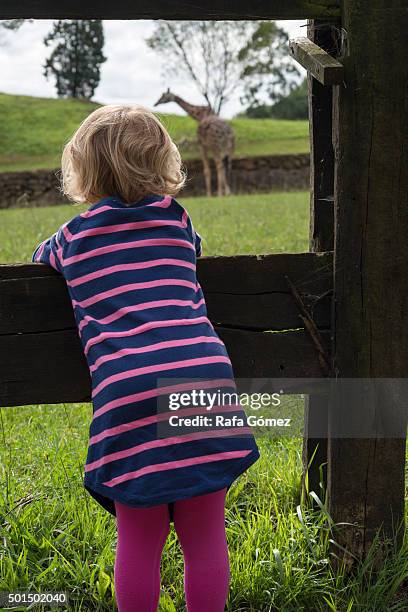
column 33, row 131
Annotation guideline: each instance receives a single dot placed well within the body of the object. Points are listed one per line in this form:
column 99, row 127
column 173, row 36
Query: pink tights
column 200, row 526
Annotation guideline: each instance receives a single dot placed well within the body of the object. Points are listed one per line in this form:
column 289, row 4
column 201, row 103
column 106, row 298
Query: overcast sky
column 132, row 73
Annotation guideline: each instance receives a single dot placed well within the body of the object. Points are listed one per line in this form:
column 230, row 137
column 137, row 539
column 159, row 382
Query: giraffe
column 214, row 135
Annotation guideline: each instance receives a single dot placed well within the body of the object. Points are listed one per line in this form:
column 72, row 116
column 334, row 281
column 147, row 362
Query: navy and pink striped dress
column 141, row 316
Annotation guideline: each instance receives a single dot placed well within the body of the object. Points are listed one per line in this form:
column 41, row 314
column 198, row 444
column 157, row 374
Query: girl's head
column 121, row 151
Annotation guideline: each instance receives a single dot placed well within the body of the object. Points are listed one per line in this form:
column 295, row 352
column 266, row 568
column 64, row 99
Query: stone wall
column 248, row 175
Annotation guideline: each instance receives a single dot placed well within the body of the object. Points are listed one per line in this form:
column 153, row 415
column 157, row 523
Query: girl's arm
column 50, row 251
column 197, row 241
column 195, row 237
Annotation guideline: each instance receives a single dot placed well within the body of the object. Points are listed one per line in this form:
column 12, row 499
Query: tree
column 269, row 71
column 292, row 106
column 76, row 57
column 11, row 24
column 223, row 57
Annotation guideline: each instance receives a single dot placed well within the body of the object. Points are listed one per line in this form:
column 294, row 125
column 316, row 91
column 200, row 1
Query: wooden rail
column 42, row 356
column 169, row 9
column 320, row 64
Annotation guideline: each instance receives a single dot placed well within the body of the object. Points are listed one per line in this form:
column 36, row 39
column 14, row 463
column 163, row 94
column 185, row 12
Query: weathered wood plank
column 252, row 292
column 288, row 354
column 326, row 35
column 43, row 368
column 36, row 304
column 303, row 268
column 259, row 273
column 321, row 65
column 168, row 9
column 51, row 368
column 275, row 311
column 366, row 476
column 22, row 306
column 41, row 354
column 245, row 292
column 238, row 274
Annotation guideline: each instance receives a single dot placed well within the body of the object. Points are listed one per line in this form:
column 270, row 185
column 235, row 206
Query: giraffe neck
column 196, row 112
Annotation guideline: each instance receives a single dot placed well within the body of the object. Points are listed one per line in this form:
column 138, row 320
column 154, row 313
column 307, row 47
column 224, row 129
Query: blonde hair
column 121, row 151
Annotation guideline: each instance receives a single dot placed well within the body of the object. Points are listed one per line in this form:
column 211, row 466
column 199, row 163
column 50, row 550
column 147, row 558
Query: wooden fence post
column 366, row 475
column 324, row 34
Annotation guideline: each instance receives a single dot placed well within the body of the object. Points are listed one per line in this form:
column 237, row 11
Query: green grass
column 33, row 130
column 54, row 536
column 261, row 223
column 57, row 538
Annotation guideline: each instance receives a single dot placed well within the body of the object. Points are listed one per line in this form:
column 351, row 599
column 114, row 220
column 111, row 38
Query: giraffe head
column 166, row 97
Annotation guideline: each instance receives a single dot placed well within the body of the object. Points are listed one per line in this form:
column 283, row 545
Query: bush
column 292, row 106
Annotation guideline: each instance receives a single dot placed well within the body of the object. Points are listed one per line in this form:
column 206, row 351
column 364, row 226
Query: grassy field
column 246, row 224
column 53, row 536
column 33, row 130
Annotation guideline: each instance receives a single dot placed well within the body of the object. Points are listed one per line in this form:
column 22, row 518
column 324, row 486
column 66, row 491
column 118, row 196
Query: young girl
column 129, row 262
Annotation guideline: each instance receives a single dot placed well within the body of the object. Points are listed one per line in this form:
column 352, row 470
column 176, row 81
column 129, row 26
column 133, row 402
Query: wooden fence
column 42, row 357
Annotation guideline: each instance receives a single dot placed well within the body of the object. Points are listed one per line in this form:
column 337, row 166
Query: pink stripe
column 67, row 234
column 164, row 282
column 151, row 263
column 156, row 392
column 153, row 347
column 122, row 227
column 52, row 260
column 95, row 211
column 40, row 251
column 90, row 213
column 171, row 465
column 58, row 254
column 163, row 203
column 142, row 328
column 175, row 440
column 155, row 418
column 129, row 245
column 159, row 367
column 121, row 312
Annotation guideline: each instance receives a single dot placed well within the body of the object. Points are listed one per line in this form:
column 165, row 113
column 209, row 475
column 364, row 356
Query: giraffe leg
column 207, row 171
column 219, row 164
column 227, row 189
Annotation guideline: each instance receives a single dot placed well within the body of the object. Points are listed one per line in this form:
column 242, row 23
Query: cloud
column 132, row 73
